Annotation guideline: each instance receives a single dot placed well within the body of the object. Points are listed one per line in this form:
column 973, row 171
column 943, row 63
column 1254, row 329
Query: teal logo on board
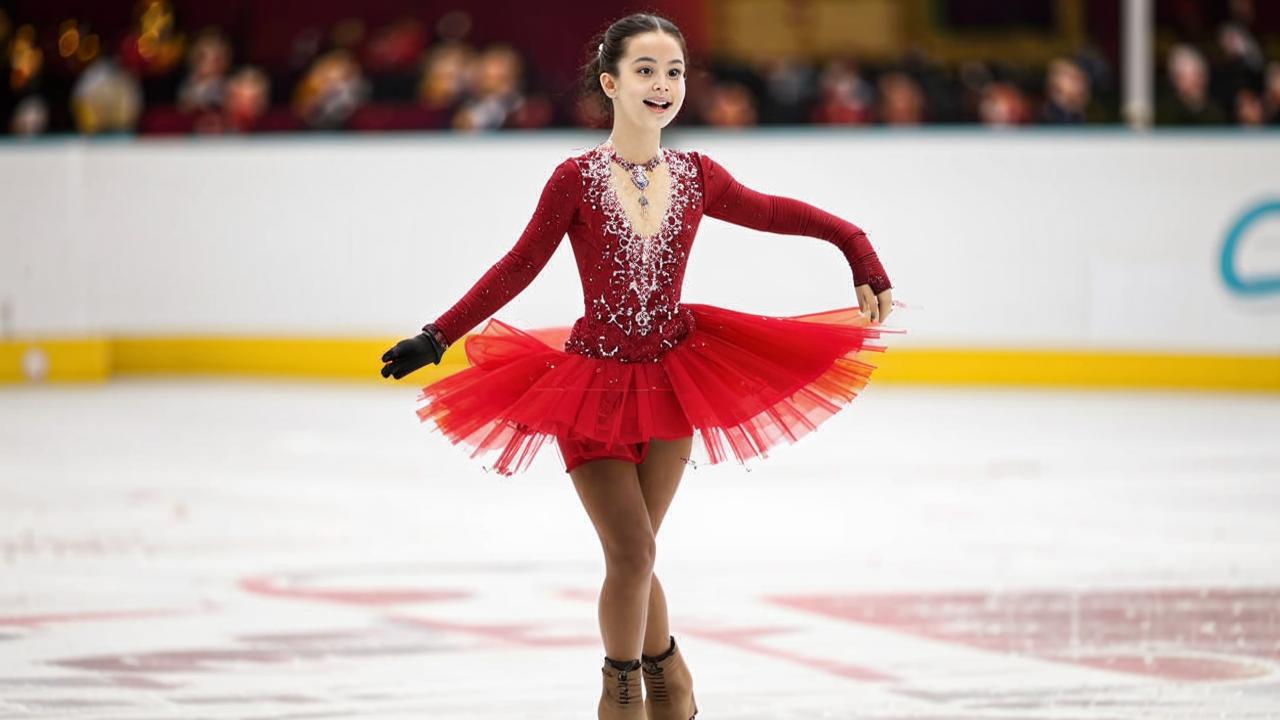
column 1240, row 285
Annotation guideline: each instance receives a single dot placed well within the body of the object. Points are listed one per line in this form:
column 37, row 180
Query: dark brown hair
column 606, row 49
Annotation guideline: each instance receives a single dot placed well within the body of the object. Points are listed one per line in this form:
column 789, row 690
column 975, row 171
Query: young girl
column 624, row 389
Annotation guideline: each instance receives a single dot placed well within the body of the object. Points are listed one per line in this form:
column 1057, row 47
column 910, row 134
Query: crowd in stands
column 164, row 79
column 1216, row 74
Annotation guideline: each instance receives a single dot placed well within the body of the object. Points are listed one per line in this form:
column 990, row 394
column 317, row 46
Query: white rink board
column 1093, row 240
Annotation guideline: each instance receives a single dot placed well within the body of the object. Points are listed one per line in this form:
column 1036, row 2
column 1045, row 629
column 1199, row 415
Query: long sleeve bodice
column 631, row 284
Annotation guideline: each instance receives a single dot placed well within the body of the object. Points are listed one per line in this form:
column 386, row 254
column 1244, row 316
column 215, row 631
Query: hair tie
column 600, row 48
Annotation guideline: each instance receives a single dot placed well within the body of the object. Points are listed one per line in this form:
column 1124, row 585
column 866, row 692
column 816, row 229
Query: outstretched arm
column 727, row 199
column 515, row 270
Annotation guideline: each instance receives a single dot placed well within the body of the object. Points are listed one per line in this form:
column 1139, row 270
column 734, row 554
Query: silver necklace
column 638, row 177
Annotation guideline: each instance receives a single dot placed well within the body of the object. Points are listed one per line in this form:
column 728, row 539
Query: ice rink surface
column 261, row 549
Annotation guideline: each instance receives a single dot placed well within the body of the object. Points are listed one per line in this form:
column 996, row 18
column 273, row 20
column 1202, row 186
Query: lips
column 657, row 103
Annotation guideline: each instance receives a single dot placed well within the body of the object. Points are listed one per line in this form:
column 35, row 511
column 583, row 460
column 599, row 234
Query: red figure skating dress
column 639, row 364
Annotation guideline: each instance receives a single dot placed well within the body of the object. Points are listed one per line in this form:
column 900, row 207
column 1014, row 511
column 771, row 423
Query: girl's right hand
column 412, row 353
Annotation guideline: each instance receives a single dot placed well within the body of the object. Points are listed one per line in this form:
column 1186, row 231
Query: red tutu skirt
column 743, row 383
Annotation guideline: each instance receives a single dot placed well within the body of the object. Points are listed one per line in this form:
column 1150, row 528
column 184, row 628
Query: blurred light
column 25, row 59
column 148, row 43
column 68, row 39
column 157, row 45
column 86, row 118
column 30, row 116
column 157, row 18
column 89, row 48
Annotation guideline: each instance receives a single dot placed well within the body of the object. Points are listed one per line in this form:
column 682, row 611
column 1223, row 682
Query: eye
column 677, row 73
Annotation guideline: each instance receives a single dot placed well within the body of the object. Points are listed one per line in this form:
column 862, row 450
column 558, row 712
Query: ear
column 608, row 84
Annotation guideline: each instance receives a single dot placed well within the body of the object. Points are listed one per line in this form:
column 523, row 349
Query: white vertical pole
column 1138, row 22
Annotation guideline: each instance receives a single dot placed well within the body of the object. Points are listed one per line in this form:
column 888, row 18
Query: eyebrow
column 642, row 59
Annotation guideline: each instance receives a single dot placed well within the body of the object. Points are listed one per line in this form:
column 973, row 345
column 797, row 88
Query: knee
column 631, row 559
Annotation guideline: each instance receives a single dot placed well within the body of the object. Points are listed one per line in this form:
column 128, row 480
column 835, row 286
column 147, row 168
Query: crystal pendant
column 639, row 178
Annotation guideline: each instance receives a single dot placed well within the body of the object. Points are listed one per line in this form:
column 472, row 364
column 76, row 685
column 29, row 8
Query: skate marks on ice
column 253, row 550
column 406, row 639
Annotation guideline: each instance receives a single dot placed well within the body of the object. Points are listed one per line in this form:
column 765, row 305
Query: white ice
column 262, row 549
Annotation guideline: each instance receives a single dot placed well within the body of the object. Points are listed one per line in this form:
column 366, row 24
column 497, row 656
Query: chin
column 666, row 120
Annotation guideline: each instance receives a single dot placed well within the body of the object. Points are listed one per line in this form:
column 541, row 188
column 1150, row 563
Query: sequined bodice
column 631, row 283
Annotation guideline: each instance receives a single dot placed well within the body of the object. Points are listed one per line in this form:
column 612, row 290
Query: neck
column 637, row 145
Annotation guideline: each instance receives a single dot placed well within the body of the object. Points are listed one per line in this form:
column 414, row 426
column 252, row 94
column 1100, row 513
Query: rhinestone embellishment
column 637, row 314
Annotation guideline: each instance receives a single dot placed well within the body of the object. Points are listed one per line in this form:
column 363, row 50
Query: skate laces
column 655, row 673
column 656, row 679
column 621, row 676
column 624, row 688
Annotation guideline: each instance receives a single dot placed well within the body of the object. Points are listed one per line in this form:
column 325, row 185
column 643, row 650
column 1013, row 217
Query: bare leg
column 660, row 474
column 610, row 492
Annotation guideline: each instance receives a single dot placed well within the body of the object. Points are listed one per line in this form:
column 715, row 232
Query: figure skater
column 624, row 390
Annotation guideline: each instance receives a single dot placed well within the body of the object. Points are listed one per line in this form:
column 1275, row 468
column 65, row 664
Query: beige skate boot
column 621, row 698
column 668, row 686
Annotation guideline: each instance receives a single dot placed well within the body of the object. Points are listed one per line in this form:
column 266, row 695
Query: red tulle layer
column 743, row 383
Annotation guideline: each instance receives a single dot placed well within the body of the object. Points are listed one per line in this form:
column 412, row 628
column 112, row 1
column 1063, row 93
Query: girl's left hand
column 875, row 307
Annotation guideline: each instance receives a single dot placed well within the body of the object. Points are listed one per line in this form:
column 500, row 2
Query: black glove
column 410, row 354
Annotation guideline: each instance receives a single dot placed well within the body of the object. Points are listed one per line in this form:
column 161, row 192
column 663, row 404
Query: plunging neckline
column 622, row 210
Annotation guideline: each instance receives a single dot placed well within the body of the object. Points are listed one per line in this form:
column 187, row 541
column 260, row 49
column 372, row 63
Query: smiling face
column 652, row 69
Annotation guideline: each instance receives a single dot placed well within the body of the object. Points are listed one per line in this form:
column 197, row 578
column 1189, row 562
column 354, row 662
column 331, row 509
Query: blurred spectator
column 247, row 96
column 1236, row 36
column 729, row 105
column 30, row 116
column 901, row 101
column 331, row 91
column 207, row 64
column 106, row 98
column 937, row 103
column 1271, row 94
column 1066, row 93
column 1248, row 108
column 974, row 77
column 1242, row 64
column 1003, row 105
column 533, row 110
column 314, row 72
column 446, row 76
column 1189, row 103
column 495, row 91
column 1098, row 74
column 1239, row 46
column 844, row 96
column 789, row 87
